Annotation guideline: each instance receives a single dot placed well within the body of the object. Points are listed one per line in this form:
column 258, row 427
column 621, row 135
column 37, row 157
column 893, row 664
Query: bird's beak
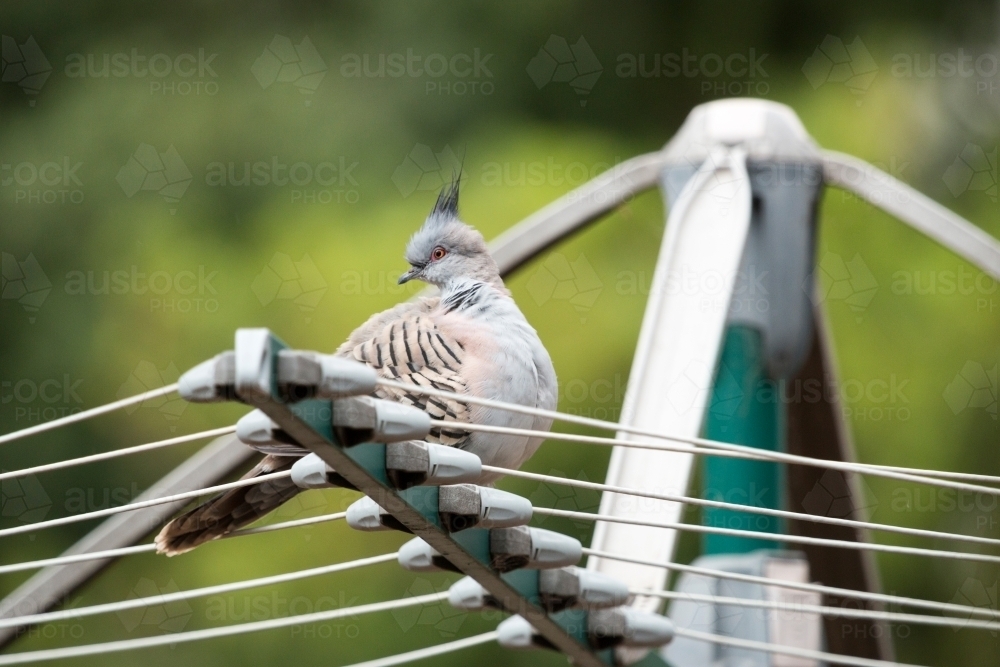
column 408, row 276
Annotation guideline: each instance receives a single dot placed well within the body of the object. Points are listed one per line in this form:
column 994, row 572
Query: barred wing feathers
column 412, row 350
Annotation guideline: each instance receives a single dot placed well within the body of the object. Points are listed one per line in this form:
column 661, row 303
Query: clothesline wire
column 703, row 443
column 816, row 588
column 115, row 453
column 779, row 537
column 684, row 448
column 213, row 633
column 87, row 414
column 148, row 548
column 187, row 495
column 822, row 656
column 429, row 652
column 785, row 514
column 170, row 598
column 910, row 474
column 833, row 612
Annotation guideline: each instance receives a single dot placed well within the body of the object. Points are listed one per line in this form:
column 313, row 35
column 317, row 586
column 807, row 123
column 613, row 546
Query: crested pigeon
column 470, row 339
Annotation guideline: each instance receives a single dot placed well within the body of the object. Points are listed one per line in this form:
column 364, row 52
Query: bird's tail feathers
column 229, row 511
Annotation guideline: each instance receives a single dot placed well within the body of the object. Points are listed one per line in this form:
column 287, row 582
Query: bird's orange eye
column 438, row 253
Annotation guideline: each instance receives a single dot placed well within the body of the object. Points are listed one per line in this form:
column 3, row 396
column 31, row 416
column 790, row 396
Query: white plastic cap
column 344, row 377
column 210, row 381
column 515, row 632
column 600, row 590
column 418, row 556
column 395, row 422
column 630, row 627
column 450, row 465
column 502, row 509
column 550, row 549
column 467, row 593
column 255, row 428
column 310, row 472
column 364, row 514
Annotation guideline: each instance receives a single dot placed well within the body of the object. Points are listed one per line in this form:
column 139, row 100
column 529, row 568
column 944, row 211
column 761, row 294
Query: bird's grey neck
column 466, row 293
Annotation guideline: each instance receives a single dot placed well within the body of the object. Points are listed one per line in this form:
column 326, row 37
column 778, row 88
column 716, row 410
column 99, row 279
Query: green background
column 930, row 343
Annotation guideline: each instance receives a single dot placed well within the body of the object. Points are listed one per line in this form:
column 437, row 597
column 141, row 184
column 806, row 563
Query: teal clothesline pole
column 746, row 409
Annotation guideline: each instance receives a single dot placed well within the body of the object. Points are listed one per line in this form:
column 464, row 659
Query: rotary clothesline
column 704, row 447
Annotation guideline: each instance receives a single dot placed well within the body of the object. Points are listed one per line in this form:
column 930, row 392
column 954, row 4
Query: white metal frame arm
column 914, row 208
column 674, row 364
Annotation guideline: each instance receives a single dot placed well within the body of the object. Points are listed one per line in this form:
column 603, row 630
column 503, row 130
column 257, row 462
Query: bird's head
column 445, row 250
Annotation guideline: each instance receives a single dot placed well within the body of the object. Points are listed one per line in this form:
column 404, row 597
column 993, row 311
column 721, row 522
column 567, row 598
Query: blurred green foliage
column 900, row 324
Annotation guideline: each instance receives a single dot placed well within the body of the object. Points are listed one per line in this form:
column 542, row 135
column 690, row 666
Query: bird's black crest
column 446, row 205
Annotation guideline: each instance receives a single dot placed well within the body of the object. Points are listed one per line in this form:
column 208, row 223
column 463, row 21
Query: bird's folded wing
column 409, row 348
